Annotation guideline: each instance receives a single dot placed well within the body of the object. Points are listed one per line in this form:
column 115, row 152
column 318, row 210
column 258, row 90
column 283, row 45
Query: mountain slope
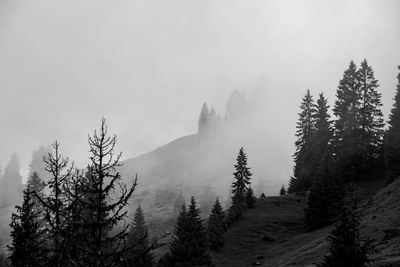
column 273, row 233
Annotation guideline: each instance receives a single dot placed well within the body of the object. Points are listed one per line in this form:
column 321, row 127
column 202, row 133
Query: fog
column 147, row 66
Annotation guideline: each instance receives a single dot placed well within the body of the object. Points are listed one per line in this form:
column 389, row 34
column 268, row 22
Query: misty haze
column 188, row 133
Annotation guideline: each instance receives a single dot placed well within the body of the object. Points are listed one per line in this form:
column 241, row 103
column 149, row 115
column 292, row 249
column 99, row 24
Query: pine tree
column 326, row 196
column 37, row 164
column 103, row 207
column 216, row 227
column 392, row 137
column 11, row 185
column 240, row 185
column 303, row 157
column 282, row 191
column 322, row 135
column 138, row 238
column 203, row 119
column 37, row 185
column 347, row 248
column 371, row 128
column 250, row 198
column 189, row 245
column 27, row 247
column 55, row 204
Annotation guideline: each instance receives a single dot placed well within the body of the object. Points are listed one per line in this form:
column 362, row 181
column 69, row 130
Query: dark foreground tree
column 140, row 255
column 392, row 137
column 55, row 205
column 27, row 247
column 104, row 206
column 189, row 246
column 347, row 247
column 250, row 198
column 326, row 196
column 216, row 226
column 282, row 191
column 240, row 185
column 303, row 156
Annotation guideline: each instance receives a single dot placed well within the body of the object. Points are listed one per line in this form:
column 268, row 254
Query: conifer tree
column 282, row 191
column 11, row 185
column 36, row 185
column 371, row 128
column 37, row 164
column 189, row 246
column 323, row 131
column 55, row 204
column 392, row 137
column 303, row 156
column 105, row 209
column 326, row 196
column 240, row 185
column 27, row 248
column 216, row 226
column 203, row 119
column 140, row 255
column 347, row 247
column 250, row 198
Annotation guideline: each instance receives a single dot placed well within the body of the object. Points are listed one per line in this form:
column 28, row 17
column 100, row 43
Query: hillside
column 273, row 233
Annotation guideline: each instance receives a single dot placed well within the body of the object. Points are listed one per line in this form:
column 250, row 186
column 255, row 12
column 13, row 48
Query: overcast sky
column 147, row 66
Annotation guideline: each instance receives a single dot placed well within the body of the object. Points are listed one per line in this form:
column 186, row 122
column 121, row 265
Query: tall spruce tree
column 27, row 248
column 216, row 226
column 322, row 135
column 250, row 198
column 346, row 125
column 240, row 185
column 54, row 204
column 347, row 247
column 303, row 156
column 189, row 246
column 203, row 119
column 140, row 255
column 371, row 118
column 392, row 137
column 105, row 204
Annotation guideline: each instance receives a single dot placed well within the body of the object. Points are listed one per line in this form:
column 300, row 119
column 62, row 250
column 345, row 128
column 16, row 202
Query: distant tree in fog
column 37, row 164
column 203, row 119
column 27, row 248
column 11, row 183
column 36, row 185
column 236, row 107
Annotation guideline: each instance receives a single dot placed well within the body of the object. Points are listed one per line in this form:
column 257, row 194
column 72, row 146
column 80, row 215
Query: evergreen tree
column 347, row 248
column 250, row 198
column 240, row 185
column 326, row 196
column 347, row 126
column 189, row 246
column 282, row 191
column 138, row 238
column 216, row 226
column 103, row 208
column 27, row 247
column 392, row 137
column 323, row 131
column 37, row 164
column 203, row 119
column 11, row 185
column 36, row 185
column 371, row 128
column 55, row 204
column 303, row 157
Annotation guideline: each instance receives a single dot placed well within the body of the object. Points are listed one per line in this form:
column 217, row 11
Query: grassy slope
column 282, row 219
